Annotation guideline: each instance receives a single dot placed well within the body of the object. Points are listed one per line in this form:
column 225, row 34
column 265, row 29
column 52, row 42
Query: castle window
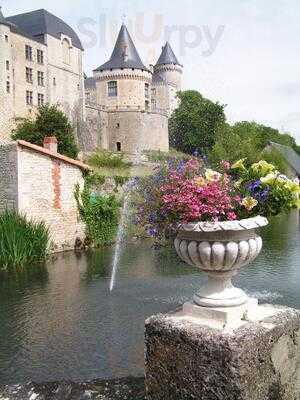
column 6, row 38
column 147, row 105
column 40, row 76
column 40, row 56
column 7, row 86
column 153, row 104
column 29, row 98
column 112, row 89
column 147, row 90
column 7, row 65
column 40, row 99
column 54, row 81
column 66, row 51
column 29, row 75
column 153, row 92
column 119, row 146
column 28, row 52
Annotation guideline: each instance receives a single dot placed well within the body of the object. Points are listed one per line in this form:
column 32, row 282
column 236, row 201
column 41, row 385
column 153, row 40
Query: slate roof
column 167, row 56
column 124, row 55
column 90, row 83
column 289, row 155
column 40, row 22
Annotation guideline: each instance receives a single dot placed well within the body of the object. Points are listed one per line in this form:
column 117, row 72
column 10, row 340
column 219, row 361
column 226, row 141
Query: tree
column 195, row 123
column 50, row 121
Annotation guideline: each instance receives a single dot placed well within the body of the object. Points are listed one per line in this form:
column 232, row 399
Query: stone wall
column 8, row 176
column 137, row 131
column 42, row 187
column 46, row 192
column 92, row 133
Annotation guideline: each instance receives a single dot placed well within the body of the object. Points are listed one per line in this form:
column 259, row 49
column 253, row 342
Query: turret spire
column 167, row 56
column 124, row 54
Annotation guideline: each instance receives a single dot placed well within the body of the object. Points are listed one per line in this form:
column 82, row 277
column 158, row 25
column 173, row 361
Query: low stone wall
column 41, row 185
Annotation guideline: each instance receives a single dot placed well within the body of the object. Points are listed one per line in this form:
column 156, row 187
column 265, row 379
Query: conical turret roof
column 167, row 56
column 124, row 54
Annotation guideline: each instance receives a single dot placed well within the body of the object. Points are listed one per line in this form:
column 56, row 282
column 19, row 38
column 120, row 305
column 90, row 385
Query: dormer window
column 112, row 89
column 66, row 51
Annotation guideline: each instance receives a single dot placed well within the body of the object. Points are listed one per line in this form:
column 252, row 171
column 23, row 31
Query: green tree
column 50, row 121
column 194, row 124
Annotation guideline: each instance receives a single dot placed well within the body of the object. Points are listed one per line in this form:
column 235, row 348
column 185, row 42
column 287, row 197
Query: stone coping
column 57, row 156
column 241, row 225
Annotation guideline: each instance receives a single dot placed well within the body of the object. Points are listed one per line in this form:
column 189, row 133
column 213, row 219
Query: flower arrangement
column 186, row 191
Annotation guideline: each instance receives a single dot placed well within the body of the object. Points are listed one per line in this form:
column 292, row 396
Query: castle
column 124, row 106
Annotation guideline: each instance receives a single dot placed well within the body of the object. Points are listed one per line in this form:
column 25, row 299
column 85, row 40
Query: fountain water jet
column 120, row 234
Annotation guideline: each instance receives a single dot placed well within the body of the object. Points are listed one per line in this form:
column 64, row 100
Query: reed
column 23, row 242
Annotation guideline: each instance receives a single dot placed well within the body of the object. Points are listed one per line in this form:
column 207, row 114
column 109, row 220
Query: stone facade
column 36, row 70
column 40, row 183
column 137, row 100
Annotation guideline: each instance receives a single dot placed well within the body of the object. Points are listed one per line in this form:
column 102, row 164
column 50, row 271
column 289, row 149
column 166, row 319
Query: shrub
column 100, row 214
column 103, row 158
column 162, row 156
column 22, row 242
column 50, row 121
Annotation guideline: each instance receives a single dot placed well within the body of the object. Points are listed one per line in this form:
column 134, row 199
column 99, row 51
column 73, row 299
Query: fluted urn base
column 219, row 291
column 220, row 249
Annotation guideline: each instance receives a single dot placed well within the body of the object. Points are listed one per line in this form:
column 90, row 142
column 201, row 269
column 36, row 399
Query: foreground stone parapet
column 260, row 360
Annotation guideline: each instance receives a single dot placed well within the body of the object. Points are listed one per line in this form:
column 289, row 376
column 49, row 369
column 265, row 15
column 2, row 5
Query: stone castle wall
column 93, row 132
column 137, row 131
column 42, row 187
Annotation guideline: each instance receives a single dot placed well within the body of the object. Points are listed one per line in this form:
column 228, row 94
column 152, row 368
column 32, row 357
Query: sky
column 242, row 53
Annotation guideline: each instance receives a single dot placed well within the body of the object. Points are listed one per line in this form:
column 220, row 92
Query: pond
column 63, row 323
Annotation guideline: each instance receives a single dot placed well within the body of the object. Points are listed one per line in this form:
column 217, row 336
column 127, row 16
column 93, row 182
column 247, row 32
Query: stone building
column 39, row 182
column 128, row 104
column 40, row 62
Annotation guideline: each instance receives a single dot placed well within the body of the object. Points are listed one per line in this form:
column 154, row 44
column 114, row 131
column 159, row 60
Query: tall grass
column 22, row 242
column 104, row 158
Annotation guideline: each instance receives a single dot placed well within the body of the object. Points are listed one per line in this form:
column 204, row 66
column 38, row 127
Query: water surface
column 64, row 323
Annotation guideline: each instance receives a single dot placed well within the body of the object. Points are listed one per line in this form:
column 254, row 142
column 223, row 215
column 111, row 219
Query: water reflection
column 65, row 324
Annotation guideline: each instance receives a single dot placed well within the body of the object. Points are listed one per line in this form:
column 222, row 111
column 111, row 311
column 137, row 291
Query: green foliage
column 274, row 157
column 100, row 215
column 94, row 179
column 249, row 140
column 22, row 242
column 50, row 121
column 195, row 123
column 163, row 156
column 104, row 158
column 120, row 180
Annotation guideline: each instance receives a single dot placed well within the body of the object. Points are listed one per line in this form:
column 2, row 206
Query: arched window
column 66, row 51
column 112, row 89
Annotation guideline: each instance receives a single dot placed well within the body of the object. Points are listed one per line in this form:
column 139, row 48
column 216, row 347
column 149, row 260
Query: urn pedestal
column 220, row 249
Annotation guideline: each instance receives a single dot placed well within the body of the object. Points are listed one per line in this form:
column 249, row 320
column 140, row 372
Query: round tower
column 6, row 78
column 123, row 82
column 167, row 79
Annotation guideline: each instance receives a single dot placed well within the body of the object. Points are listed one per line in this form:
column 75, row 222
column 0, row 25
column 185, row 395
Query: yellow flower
column 249, row 203
column 269, row 179
column 239, row 164
column 200, row 181
column 212, row 176
column 238, row 183
column 293, row 186
column 262, row 167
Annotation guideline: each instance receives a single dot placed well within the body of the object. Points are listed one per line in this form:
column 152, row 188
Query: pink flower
column 225, row 164
column 231, row 216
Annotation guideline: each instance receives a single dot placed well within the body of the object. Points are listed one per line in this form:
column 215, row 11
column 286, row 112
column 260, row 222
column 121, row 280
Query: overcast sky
column 243, row 53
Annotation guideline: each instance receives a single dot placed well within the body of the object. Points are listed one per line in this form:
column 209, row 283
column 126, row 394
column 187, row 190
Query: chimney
column 50, row 143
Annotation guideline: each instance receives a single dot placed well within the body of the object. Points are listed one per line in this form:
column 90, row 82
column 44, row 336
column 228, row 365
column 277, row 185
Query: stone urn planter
column 220, row 249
